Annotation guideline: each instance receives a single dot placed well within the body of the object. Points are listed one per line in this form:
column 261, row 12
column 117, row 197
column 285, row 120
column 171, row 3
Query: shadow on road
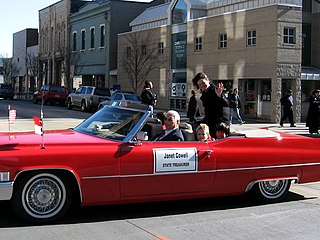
column 143, row 210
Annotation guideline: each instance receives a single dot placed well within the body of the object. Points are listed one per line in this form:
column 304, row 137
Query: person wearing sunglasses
column 172, row 132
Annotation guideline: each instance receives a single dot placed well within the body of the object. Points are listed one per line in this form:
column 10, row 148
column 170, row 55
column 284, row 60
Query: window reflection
column 179, row 13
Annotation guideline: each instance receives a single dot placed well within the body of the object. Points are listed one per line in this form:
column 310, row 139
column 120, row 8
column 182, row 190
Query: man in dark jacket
column 287, row 107
column 213, row 101
column 172, row 132
column 148, row 97
column 235, row 105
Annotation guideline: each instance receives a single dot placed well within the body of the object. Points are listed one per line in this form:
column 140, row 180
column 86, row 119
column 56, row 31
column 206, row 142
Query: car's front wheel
column 41, row 197
column 271, row 191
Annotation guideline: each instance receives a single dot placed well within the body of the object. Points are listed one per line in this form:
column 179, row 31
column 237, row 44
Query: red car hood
column 51, row 137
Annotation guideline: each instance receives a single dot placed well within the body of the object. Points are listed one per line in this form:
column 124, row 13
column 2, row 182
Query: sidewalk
column 21, row 125
column 65, row 123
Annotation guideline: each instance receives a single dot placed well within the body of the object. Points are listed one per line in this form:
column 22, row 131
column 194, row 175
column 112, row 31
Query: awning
column 310, row 73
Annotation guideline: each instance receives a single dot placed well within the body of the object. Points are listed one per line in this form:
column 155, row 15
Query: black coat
column 175, row 135
column 148, row 97
column 234, row 101
column 192, row 108
column 286, row 103
column 213, row 108
column 313, row 113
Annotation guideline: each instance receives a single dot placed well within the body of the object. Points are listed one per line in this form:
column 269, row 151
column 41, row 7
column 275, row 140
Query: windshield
column 112, row 123
column 131, row 97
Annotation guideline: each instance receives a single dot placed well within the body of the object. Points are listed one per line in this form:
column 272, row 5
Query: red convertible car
column 107, row 159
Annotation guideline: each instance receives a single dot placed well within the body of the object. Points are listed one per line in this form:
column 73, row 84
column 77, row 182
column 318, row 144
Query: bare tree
column 32, row 61
column 9, row 70
column 70, row 64
column 139, row 58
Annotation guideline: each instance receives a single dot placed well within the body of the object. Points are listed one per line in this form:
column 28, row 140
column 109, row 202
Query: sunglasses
column 169, row 119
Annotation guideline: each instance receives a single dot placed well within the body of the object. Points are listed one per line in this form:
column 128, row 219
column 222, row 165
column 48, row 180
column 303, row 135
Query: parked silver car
column 125, row 98
column 87, row 97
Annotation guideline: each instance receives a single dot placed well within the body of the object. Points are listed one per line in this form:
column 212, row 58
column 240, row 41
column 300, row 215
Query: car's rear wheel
column 35, row 101
column 271, row 191
column 83, row 106
column 41, row 197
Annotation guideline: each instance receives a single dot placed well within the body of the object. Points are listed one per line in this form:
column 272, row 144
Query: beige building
column 254, row 45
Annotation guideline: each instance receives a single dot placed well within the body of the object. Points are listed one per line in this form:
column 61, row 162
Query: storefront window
column 266, row 90
column 179, row 13
column 307, row 87
column 250, row 94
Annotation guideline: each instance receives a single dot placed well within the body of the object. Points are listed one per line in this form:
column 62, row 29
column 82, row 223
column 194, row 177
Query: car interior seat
column 187, row 131
column 152, row 127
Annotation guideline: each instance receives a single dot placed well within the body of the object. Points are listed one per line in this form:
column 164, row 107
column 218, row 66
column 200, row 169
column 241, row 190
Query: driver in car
column 172, row 132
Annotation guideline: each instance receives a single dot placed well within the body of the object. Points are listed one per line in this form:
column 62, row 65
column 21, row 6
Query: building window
column 223, row 40
column 74, row 40
column 179, row 50
column 160, row 48
column 59, row 39
column 102, row 35
column 289, row 35
column 83, row 40
column 179, row 13
column 266, row 90
column 198, row 44
column 128, row 51
column 251, row 38
column 92, row 32
column 144, row 50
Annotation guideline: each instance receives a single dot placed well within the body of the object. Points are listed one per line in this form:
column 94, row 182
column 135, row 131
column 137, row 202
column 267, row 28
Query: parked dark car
column 6, row 91
column 87, row 97
column 51, row 94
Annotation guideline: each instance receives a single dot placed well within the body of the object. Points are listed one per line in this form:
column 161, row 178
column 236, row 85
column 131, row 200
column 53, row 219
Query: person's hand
column 219, row 89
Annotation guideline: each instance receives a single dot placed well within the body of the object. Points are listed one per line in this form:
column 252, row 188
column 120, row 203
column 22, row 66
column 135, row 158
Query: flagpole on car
column 38, row 124
column 12, row 113
column 41, row 119
column 9, row 128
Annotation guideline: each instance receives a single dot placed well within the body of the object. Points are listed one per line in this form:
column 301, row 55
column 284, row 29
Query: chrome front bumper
column 6, row 189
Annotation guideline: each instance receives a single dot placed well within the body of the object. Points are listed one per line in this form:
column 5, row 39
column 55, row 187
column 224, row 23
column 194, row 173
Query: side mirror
column 142, row 136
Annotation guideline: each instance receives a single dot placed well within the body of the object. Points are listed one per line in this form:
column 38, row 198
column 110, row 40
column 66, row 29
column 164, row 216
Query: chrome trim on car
column 6, row 190
column 266, row 167
column 4, row 176
column 65, row 169
column 251, row 184
column 207, row 171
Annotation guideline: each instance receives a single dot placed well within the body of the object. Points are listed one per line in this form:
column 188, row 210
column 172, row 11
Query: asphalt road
column 237, row 217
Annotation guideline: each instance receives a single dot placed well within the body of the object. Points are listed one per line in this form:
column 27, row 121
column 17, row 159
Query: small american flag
column 12, row 116
column 38, row 125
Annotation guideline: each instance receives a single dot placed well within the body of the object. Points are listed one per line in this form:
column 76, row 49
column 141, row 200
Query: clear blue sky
column 17, row 15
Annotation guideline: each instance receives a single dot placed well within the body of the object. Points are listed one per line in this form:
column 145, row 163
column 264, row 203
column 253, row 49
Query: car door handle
column 208, row 152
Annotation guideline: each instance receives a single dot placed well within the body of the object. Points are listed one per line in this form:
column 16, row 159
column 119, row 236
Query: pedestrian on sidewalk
column 192, row 107
column 287, row 108
column 213, row 101
column 235, row 105
column 148, row 97
column 313, row 116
